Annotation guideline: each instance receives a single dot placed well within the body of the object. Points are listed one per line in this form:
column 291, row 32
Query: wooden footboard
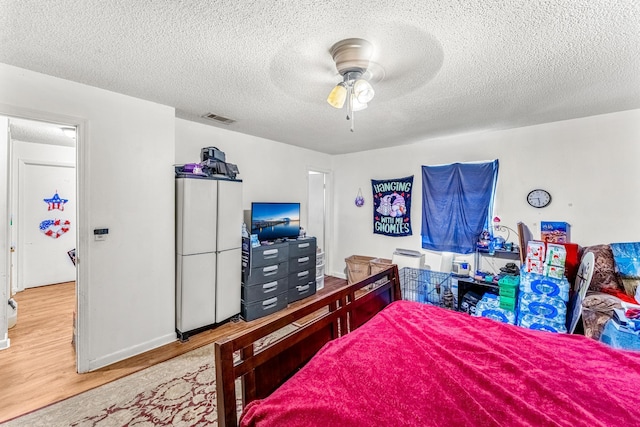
column 314, row 321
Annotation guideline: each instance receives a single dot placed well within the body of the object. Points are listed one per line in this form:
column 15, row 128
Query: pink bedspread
column 419, row 365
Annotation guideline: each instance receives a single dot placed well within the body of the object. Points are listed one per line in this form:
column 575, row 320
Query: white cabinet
column 208, row 252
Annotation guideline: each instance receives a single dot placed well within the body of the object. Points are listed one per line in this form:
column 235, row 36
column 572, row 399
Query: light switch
column 100, row 234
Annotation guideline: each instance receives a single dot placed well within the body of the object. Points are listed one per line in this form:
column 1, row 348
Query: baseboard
column 340, row 275
column 103, row 361
column 5, row 343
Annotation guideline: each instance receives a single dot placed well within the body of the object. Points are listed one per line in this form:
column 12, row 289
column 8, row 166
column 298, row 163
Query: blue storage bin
column 620, row 337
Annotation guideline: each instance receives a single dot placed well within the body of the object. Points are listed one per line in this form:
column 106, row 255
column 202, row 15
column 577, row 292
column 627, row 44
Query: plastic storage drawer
column 269, row 255
column 262, row 291
column 302, row 291
column 302, row 277
column 302, row 247
column 302, row 263
column 267, row 273
column 255, row 310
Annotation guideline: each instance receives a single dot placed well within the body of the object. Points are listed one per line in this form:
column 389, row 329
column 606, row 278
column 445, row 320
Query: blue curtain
column 457, row 201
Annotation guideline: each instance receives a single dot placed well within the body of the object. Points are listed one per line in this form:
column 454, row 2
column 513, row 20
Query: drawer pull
column 270, row 253
column 303, row 273
column 269, row 303
column 303, row 259
column 302, row 288
column 270, row 271
column 303, row 245
column 271, row 286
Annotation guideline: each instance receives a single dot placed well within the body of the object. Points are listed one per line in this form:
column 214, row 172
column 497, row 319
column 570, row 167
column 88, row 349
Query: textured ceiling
column 451, row 66
column 39, row 133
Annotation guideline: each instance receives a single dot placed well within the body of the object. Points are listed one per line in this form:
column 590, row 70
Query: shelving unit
column 466, row 284
column 469, row 284
column 498, row 253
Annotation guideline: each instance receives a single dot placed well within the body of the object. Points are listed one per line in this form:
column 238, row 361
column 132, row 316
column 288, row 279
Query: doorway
column 317, row 226
column 42, row 205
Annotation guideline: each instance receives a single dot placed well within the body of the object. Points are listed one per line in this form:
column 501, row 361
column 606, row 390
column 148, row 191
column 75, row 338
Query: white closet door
column 228, row 284
column 196, row 215
column 196, row 291
column 229, row 215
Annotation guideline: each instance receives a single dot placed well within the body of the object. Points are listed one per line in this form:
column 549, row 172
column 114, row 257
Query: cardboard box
column 536, row 250
column 554, row 232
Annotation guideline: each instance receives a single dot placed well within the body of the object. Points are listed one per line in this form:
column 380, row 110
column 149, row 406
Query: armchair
column 599, row 303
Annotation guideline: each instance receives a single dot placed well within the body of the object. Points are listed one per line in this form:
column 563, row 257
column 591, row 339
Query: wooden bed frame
column 316, row 320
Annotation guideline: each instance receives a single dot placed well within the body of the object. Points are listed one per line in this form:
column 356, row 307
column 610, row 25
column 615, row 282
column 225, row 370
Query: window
column 457, row 201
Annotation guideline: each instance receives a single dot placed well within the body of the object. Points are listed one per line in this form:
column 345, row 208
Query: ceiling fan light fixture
column 363, row 91
column 357, row 105
column 351, row 57
column 338, row 95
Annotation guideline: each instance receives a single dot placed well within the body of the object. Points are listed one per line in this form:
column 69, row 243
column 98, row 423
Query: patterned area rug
column 178, row 392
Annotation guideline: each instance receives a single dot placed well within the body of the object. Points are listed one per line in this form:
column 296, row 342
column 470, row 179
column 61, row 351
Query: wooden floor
column 40, row 366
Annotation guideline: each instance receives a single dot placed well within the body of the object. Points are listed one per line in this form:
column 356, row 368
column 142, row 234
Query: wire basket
column 426, row 286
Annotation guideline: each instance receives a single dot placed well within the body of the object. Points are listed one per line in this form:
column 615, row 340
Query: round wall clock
column 539, row 198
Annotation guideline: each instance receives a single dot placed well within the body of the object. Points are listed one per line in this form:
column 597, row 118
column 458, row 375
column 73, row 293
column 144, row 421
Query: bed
column 364, row 357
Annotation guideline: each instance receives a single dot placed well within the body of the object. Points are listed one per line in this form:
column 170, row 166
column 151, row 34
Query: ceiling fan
column 352, row 57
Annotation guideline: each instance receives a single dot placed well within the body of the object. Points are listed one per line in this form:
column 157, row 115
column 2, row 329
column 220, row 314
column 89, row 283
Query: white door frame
column 82, row 219
column 327, row 209
column 22, row 164
column 5, row 245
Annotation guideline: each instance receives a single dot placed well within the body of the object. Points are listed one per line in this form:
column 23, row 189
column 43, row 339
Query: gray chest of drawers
column 302, row 268
column 275, row 275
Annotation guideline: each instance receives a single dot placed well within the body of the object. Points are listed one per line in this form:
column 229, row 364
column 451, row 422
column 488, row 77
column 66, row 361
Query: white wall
column 271, row 171
column 126, row 152
column 589, row 165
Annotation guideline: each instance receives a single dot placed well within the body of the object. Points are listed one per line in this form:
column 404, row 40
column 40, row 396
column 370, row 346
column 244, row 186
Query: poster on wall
column 392, row 206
